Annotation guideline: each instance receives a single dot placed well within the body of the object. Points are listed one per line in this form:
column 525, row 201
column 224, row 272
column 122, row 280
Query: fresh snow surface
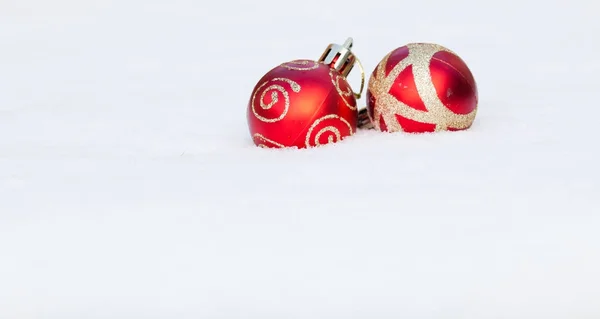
column 130, row 188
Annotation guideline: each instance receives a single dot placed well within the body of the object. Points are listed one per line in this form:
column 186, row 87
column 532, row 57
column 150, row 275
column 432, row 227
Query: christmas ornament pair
column 416, row 88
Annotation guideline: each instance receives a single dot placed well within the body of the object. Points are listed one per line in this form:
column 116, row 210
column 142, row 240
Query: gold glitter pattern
column 274, row 89
column 335, row 136
column 301, row 65
column 347, row 96
column 263, row 141
column 420, row 56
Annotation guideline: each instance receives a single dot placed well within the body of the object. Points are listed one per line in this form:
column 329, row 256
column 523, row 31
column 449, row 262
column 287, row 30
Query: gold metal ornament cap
column 342, row 59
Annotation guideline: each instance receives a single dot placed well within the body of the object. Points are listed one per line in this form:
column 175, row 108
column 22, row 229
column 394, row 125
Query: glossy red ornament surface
column 302, row 103
column 422, row 87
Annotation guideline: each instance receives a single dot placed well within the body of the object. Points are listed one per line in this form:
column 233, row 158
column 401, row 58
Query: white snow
column 130, row 188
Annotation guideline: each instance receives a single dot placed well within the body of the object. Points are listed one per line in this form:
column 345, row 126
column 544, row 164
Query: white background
column 130, row 187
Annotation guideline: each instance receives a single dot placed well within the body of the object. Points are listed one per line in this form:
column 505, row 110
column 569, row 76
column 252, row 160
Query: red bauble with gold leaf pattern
column 422, row 87
column 302, row 103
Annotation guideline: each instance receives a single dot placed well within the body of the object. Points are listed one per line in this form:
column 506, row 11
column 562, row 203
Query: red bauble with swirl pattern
column 422, row 87
column 302, row 104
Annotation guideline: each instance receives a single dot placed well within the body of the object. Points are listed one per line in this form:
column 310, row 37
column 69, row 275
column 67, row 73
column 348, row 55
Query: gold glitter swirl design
column 334, row 133
column 301, row 65
column 346, row 95
column 274, row 89
column 419, row 56
column 265, row 142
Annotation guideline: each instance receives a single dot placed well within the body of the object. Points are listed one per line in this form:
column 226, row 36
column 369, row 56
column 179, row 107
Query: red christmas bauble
column 422, row 87
column 302, row 103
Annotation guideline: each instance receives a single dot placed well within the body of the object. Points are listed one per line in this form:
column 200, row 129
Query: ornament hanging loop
column 362, row 80
column 341, row 58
